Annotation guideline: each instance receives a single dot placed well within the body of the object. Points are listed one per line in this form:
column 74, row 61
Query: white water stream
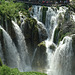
column 11, row 54
column 22, row 48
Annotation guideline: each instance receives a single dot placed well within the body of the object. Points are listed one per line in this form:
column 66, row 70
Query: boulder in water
column 52, row 47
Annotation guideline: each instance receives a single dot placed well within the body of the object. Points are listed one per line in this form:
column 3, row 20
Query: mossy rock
column 64, row 28
column 30, row 28
column 30, row 31
column 52, row 47
column 40, row 53
column 42, row 44
column 44, row 9
column 0, row 62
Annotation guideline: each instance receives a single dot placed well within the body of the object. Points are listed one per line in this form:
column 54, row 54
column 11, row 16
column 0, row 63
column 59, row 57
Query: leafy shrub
column 4, row 70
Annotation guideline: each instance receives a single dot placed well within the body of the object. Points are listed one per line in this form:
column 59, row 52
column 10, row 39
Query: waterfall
column 11, row 55
column 36, row 12
column 22, row 48
column 73, row 16
column 51, row 24
column 61, row 62
column 55, row 59
column 33, row 55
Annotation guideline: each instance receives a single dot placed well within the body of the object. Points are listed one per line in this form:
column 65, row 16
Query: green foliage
column 56, row 34
column 59, row 34
column 4, row 70
column 73, row 0
column 11, row 9
column 62, row 36
column 0, row 62
column 44, row 9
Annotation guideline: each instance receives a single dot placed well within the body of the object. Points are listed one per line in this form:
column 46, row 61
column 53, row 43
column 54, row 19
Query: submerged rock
column 52, row 47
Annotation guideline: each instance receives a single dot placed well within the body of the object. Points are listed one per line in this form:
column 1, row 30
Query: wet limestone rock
column 52, row 47
column 44, row 9
column 30, row 29
column 40, row 56
column 42, row 32
column 65, row 27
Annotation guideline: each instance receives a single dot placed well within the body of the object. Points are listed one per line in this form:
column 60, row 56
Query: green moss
column 4, row 70
column 19, row 23
column 32, row 24
column 56, row 34
column 57, row 7
column 44, row 9
column 52, row 47
column 31, row 29
column 63, row 35
column 0, row 62
column 59, row 34
column 42, row 44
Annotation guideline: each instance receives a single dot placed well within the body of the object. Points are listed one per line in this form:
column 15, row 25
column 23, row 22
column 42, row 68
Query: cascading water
column 36, row 12
column 54, row 59
column 52, row 19
column 51, row 24
column 11, row 54
column 73, row 16
column 58, row 57
column 22, row 48
column 61, row 62
column 33, row 55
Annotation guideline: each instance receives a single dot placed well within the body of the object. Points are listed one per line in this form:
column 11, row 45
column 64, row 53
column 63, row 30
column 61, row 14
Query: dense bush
column 4, row 70
column 11, row 9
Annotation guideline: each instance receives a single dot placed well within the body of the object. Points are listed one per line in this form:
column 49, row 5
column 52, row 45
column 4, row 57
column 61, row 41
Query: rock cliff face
column 30, row 30
column 65, row 27
column 40, row 56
